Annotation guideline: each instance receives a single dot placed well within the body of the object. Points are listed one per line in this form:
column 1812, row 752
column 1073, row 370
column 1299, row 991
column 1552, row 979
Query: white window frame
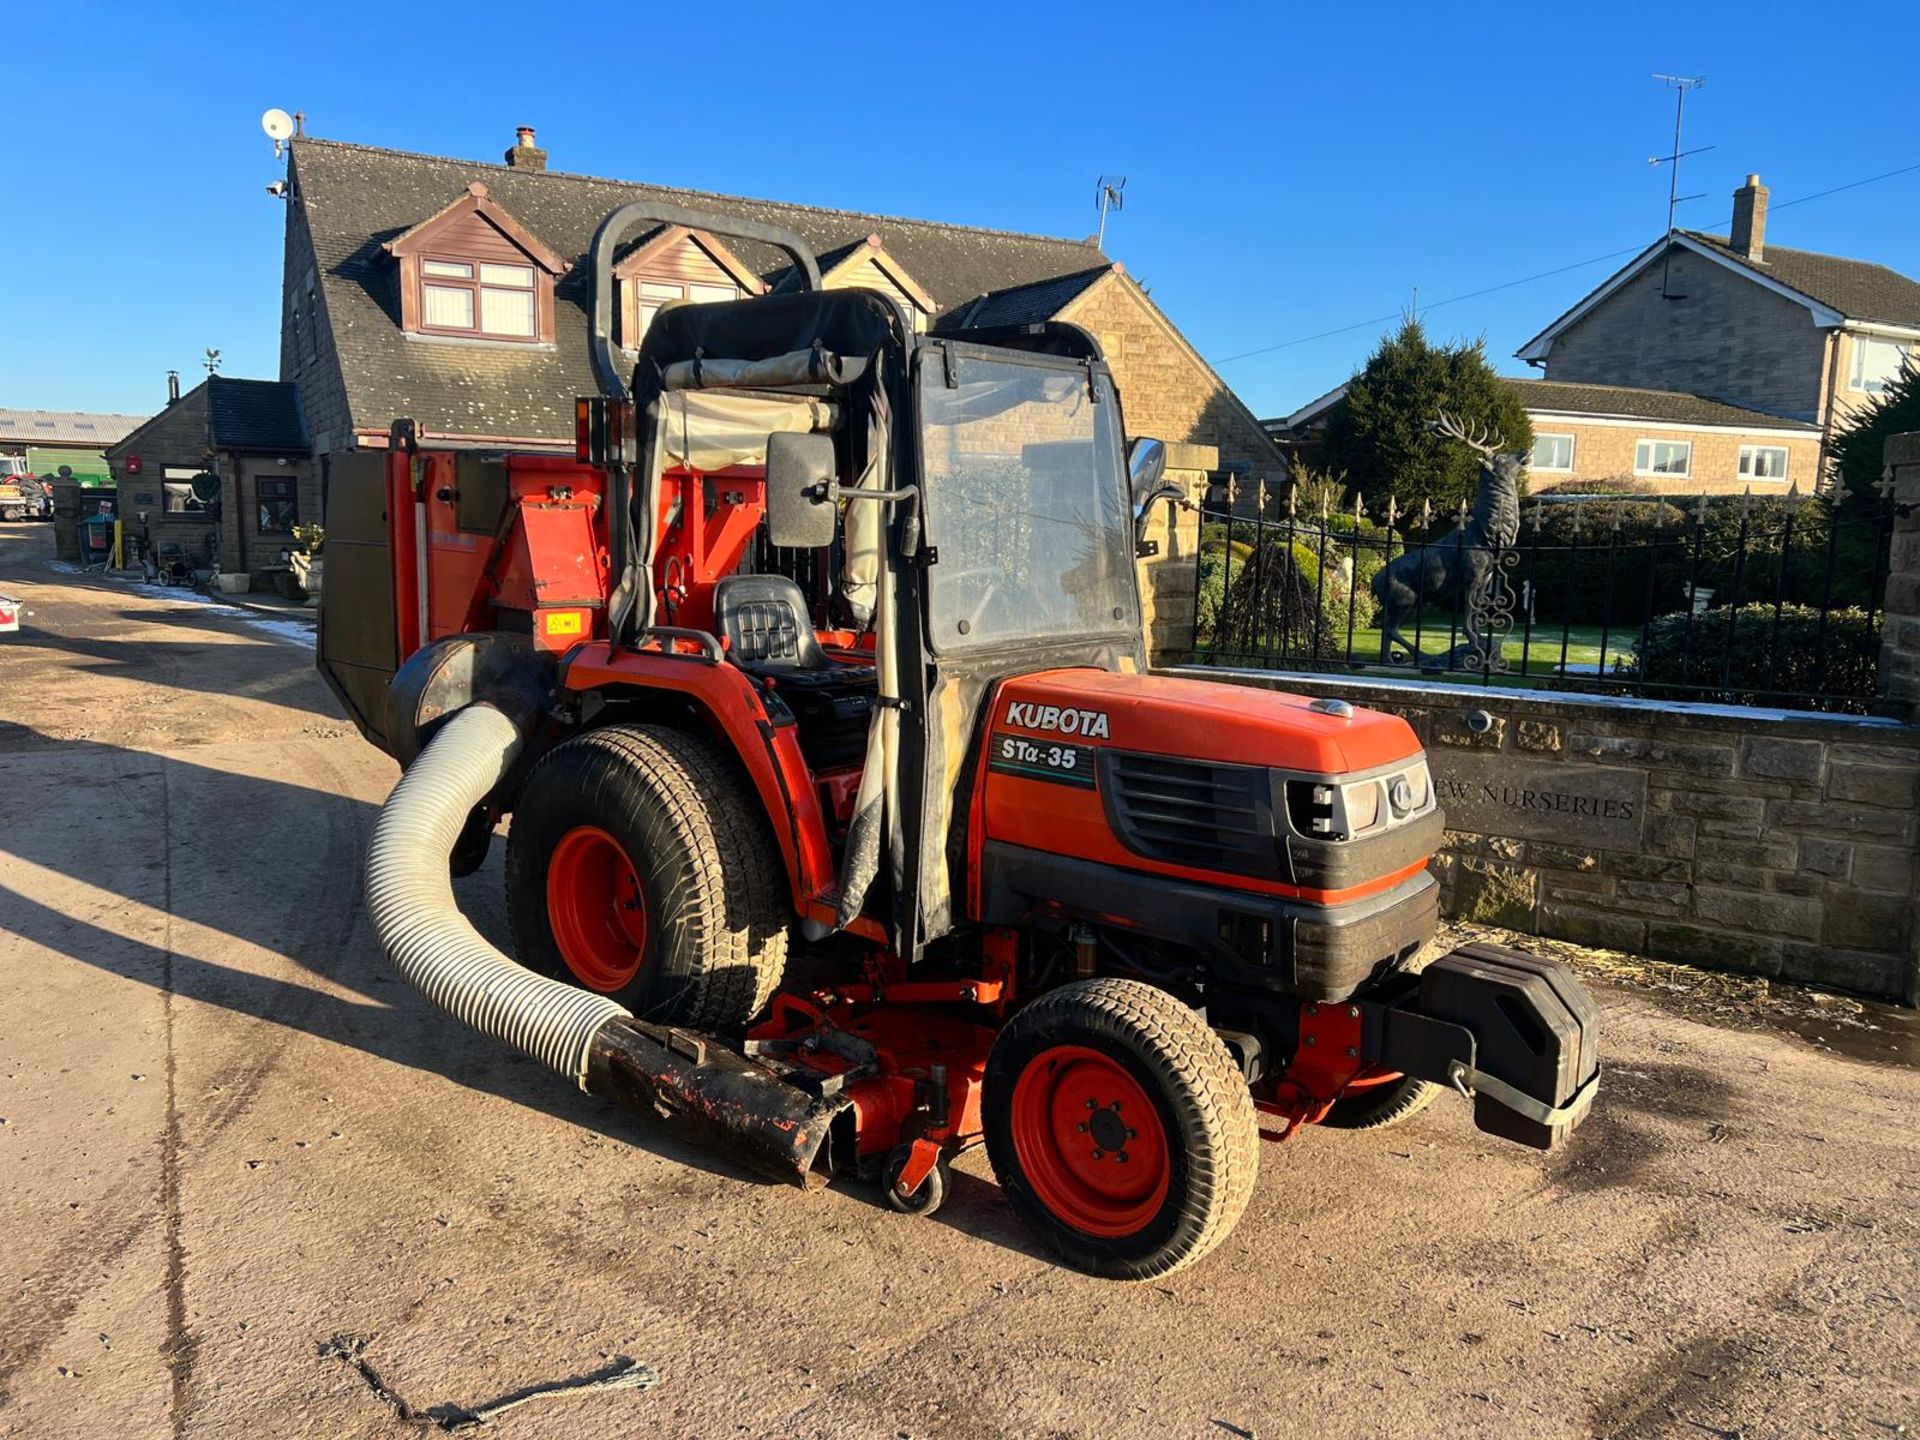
column 1651, row 448
column 1861, row 344
column 1748, row 454
column 1573, row 445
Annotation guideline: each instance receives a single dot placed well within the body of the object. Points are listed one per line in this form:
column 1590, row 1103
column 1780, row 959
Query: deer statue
column 1459, row 568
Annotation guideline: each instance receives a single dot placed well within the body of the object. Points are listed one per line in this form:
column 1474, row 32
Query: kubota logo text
column 1028, row 716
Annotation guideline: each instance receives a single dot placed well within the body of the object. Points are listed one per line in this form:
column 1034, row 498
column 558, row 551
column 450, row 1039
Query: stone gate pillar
column 1167, row 580
column 1899, row 685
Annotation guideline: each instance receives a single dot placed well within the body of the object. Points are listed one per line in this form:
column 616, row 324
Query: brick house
column 1799, row 336
column 456, row 294
column 251, row 436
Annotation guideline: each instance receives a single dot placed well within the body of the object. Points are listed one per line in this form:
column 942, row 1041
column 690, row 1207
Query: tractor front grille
column 1192, row 812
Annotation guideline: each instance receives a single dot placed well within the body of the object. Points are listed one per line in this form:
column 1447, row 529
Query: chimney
column 525, row 155
column 173, row 387
column 1749, row 235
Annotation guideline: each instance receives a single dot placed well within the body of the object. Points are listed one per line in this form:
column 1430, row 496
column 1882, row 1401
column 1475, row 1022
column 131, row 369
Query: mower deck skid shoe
column 1536, row 1040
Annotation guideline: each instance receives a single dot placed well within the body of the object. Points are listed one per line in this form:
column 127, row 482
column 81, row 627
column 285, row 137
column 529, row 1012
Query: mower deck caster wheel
column 924, row 1201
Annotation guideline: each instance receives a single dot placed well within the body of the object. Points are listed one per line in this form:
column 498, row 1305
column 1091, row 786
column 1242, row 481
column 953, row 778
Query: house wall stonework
column 309, row 354
column 1766, row 844
column 1730, row 338
column 1605, row 452
column 1166, row 389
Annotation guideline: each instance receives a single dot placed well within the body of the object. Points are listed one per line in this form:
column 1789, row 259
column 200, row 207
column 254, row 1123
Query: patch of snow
column 294, row 632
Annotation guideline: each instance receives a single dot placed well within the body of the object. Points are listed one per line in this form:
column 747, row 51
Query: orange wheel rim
column 597, row 908
column 1090, row 1142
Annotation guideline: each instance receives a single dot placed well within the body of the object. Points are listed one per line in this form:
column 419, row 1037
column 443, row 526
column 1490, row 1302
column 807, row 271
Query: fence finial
column 1579, row 508
column 1884, row 485
column 1613, row 515
column 1260, row 499
column 1426, row 513
column 1393, row 509
column 1359, row 507
column 1460, row 515
column 1794, row 497
column 1233, row 491
column 1744, row 505
column 1700, row 511
column 1293, row 503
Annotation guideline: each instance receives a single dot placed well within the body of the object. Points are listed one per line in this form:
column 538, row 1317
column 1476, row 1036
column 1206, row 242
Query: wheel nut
column 1083, row 1129
column 1313, row 1039
column 1121, row 1156
column 1132, row 1134
column 1092, row 1106
column 1352, row 1054
column 1099, row 1154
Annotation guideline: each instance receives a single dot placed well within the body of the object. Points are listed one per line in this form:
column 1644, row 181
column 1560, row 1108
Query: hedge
column 1800, row 655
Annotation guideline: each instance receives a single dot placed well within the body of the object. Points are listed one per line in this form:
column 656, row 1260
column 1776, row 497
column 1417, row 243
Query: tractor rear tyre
column 1378, row 1106
column 1120, row 1128
column 638, row 867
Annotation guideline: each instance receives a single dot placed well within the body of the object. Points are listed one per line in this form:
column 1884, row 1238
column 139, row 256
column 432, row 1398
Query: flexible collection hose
column 410, row 899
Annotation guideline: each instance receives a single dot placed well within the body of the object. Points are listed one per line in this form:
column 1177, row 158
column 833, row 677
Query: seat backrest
column 765, row 621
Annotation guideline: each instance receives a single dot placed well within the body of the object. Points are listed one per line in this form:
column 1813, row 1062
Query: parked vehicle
column 829, row 633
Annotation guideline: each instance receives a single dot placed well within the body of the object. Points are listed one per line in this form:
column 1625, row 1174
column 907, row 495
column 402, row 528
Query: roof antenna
column 1680, row 85
column 1108, row 195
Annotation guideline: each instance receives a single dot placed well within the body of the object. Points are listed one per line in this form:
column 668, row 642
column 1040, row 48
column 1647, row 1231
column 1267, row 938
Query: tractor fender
column 766, row 751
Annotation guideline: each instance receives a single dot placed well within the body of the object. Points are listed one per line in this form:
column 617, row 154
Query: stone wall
column 1730, row 337
column 1166, row 388
column 1760, row 841
column 1604, row 450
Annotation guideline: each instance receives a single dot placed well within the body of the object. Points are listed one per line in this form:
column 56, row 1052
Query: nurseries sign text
column 1575, row 804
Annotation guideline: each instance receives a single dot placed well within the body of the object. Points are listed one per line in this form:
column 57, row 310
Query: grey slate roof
column 1858, row 289
column 1624, row 402
column 355, row 198
column 255, row 414
column 65, row 427
column 1022, row 304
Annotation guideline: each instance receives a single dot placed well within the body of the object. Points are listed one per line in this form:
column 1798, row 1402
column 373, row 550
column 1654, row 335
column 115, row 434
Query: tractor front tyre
column 638, row 867
column 1120, row 1128
column 1375, row 1107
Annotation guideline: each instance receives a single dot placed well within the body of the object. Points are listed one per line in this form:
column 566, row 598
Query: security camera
column 278, row 189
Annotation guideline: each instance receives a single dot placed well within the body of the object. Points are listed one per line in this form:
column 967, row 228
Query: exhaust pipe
column 713, row 1095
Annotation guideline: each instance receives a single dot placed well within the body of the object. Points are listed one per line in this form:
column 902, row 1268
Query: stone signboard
column 1594, row 807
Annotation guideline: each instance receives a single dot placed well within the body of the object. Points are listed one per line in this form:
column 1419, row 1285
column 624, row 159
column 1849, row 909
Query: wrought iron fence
column 1735, row 599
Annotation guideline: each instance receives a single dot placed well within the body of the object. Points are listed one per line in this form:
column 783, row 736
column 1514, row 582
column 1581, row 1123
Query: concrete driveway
column 236, row 1150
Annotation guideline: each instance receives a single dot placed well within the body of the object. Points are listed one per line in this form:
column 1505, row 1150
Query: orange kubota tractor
column 848, row 829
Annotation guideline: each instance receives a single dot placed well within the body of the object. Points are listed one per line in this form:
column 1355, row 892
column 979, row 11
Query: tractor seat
column 764, row 620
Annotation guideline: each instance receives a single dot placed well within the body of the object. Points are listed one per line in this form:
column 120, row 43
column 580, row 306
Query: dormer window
column 676, row 266
column 478, row 297
column 865, row 264
column 473, row 272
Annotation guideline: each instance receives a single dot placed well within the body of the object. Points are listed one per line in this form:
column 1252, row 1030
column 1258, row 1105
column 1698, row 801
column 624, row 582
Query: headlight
column 1362, row 806
column 1410, row 790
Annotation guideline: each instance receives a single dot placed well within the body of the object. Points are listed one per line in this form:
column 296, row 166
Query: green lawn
column 1541, row 652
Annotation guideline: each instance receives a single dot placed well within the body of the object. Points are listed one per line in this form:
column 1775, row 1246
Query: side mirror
column 800, row 471
column 1146, row 463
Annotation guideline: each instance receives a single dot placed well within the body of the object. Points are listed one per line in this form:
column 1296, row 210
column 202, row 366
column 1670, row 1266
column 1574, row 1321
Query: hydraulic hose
column 410, row 899
column 701, row 1087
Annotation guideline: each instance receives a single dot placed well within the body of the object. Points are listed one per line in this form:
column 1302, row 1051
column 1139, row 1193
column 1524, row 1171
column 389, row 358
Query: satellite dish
column 278, row 124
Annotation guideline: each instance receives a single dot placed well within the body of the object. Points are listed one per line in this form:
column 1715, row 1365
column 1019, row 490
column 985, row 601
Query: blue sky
column 1292, row 169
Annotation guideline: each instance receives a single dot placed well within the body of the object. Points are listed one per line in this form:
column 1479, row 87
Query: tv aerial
column 279, row 127
column 1109, row 193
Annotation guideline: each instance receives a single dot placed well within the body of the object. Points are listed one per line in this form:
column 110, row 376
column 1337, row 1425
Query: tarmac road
column 231, row 1136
